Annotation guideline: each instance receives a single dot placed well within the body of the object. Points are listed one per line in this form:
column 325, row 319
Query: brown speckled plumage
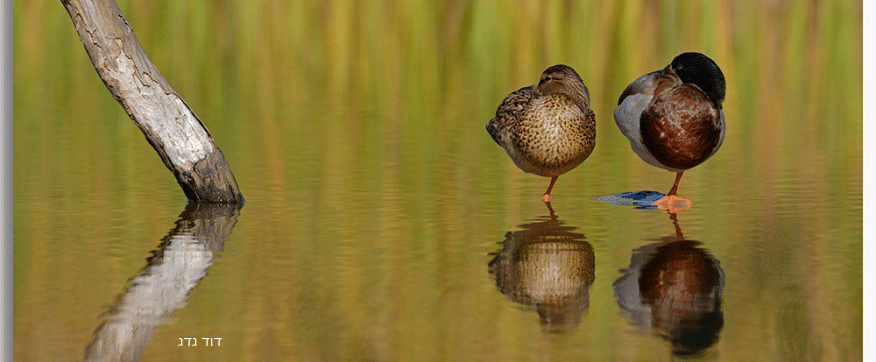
column 547, row 129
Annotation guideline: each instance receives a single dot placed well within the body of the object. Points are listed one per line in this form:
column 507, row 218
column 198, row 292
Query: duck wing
column 637, row 98
column 509, row 114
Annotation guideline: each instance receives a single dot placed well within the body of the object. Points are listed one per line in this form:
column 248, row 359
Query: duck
column 674, row 118
column 548, row 128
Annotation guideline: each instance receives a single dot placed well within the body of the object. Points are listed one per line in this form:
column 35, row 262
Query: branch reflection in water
column 674, row 287
column 171, row 273
column 547, row 266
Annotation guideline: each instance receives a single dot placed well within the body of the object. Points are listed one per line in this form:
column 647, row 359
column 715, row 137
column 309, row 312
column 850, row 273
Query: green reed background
column 351, row 128
column 793, row 69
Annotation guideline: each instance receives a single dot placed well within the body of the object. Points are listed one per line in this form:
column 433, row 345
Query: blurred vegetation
column 355, row 130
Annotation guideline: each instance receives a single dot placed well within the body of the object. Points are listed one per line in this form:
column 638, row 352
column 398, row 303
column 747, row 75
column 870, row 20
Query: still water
column 382, row 222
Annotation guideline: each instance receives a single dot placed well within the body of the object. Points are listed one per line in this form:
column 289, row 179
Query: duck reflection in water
column 675, row 287
column 547, row 266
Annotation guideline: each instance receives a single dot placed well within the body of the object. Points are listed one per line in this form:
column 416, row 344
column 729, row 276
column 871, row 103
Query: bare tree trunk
column 170, row 126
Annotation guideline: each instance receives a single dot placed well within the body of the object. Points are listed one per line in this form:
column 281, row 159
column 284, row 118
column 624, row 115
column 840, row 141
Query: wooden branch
column 170, row 126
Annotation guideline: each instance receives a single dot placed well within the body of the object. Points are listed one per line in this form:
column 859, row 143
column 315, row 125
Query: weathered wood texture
column 170, row 126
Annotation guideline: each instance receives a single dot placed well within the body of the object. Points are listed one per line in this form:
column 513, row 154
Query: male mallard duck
column 673, row 117
column 547, row 129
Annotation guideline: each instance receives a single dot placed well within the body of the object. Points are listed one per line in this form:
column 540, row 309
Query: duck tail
column 491, row 129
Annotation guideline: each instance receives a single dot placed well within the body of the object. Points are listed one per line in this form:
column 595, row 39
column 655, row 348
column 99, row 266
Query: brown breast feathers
column 681, row 127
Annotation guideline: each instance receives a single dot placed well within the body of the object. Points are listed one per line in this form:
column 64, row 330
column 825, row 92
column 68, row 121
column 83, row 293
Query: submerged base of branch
column 210, row 180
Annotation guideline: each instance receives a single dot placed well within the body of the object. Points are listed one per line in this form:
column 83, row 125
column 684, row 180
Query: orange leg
column 672, row 202
column 547, row 194
column 674, row 190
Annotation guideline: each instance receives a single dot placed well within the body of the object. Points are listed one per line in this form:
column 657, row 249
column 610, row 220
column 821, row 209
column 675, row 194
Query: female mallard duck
column 547, row 129
column 673, row 117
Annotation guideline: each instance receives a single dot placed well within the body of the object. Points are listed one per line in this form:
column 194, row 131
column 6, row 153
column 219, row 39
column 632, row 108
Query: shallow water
column 382, row 222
